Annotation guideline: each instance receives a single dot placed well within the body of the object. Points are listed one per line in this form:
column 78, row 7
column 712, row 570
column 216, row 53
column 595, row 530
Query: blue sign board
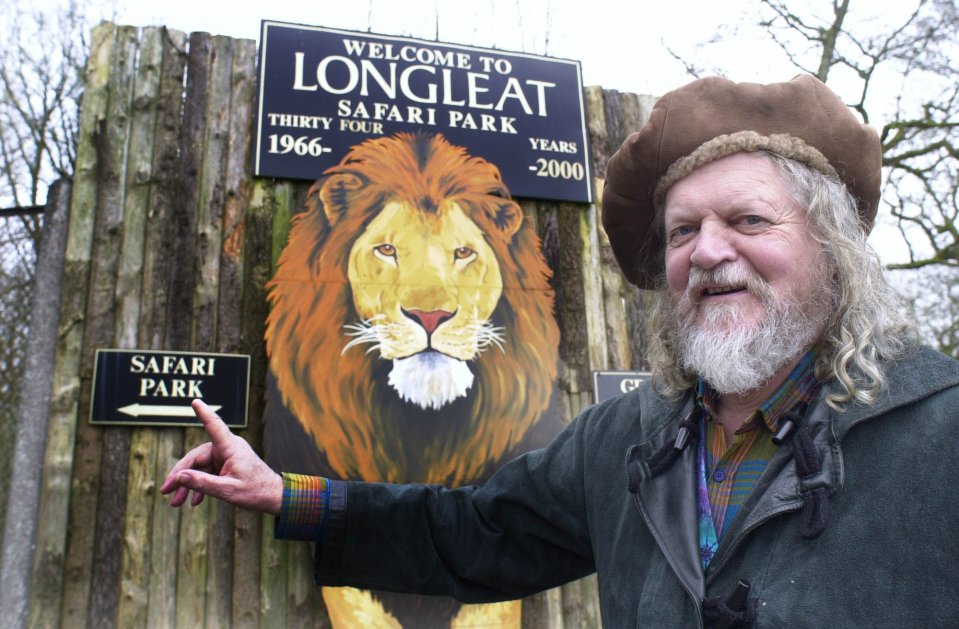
column 154, row 388
column 323, row 91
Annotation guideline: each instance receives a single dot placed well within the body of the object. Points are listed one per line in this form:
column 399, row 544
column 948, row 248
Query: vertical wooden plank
column 206, row 308
column 559, row 229
column 624, row 114
column 161, row 446
column 275, row 559
column 159, row 255
column 592, row 285
column 103, row 452
column 633, row 111
column 224, row 535
column 618, row 333
column 273, row 577
column 199, row 580
column 48, row 572
column 581, row 604
column 190, row 552
column 179, row 328
column 257, row 261
column 283, row 211
column 554, row 609
column 571, row 302
column 186, row 192
column 615, row 296
column 212, row 194
column 238, row 187
column 305, row 608
column 596, row 127
column 139, row 175
column 135, row 557
column 534, row 613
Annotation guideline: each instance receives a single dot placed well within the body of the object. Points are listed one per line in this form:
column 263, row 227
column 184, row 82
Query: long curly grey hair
column 868, row 324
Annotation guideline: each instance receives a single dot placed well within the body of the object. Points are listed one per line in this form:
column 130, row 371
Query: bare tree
column 920, row 141
column 936, row 299
column 41, row 72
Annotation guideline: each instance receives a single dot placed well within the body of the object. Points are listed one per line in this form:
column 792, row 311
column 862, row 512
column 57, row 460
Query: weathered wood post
column 19, row 535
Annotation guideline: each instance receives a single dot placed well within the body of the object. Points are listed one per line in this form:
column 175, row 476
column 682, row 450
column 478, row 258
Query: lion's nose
column 429, row 320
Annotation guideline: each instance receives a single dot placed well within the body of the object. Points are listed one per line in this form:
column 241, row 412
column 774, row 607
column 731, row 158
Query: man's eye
column 752, row 219
column 681, row 232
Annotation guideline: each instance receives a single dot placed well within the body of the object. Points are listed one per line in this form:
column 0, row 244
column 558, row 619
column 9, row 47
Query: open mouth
column 715, row 291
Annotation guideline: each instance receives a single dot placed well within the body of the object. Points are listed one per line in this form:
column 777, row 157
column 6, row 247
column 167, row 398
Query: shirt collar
column 799, row 387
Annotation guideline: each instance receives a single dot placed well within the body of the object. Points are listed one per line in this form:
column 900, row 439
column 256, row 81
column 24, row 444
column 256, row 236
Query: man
column 790, row 465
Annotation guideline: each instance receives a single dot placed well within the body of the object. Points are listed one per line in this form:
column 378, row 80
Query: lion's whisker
column 487, row 334
column 379, row 335
column 363, row 332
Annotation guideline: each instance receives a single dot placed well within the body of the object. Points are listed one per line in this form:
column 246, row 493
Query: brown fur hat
column 710, row 118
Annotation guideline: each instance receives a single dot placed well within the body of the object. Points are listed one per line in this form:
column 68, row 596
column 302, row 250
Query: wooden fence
column 170, row 244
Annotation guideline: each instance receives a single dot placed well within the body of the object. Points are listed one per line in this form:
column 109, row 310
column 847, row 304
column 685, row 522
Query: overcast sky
column 618, row 42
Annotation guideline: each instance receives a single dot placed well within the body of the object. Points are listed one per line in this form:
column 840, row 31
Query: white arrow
column 162, row 411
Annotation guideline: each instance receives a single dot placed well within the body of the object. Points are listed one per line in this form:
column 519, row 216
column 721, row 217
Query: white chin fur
column 430, row 379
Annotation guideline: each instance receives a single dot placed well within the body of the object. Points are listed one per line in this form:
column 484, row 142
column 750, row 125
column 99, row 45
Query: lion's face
column 424, row 282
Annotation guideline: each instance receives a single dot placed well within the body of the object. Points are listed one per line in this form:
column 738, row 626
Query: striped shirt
column 733, row 469
column 306, row 503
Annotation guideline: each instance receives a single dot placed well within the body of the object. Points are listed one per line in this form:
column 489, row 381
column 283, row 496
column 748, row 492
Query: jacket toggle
column 733, row 611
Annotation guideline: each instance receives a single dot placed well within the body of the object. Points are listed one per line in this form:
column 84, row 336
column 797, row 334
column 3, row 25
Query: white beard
column 736, row 359
column 430, row 379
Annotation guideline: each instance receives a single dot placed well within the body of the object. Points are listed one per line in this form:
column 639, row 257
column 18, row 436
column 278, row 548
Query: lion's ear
column 507, row 216
column 337, row 194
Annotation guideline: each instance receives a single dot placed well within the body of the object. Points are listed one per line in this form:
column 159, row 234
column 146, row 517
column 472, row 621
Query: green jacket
column 888, row 555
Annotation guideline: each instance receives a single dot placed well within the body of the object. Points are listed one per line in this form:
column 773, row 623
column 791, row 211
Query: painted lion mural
column 411, row 336
column 411, row 339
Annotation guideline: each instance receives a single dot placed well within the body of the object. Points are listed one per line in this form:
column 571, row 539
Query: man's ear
column 338, row 193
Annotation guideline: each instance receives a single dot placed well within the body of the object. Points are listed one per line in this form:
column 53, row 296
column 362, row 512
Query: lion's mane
column 341, row 399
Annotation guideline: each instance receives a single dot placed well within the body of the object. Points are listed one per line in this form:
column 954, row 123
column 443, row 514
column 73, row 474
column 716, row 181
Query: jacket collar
column 913, row 377
column 669, row 498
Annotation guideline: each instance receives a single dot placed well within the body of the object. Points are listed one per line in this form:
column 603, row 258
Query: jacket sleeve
column 525, row 530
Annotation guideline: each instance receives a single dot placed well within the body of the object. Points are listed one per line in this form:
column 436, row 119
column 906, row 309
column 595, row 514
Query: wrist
column 275, row 503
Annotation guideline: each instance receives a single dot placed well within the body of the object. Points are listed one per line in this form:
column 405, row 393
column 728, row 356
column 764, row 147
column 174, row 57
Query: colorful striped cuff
column 306, row 505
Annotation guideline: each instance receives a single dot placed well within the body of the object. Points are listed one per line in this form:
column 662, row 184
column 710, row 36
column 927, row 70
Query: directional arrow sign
column 135, row 410
column 154, row 388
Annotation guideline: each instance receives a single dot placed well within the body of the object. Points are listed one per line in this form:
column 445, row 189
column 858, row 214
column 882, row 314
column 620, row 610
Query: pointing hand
column 226, row 468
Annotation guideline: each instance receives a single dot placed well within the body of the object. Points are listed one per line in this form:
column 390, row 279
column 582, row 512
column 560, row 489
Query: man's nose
column 713, row 246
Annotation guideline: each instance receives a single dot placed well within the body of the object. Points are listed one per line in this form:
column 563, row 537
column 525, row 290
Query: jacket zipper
column 796, row 506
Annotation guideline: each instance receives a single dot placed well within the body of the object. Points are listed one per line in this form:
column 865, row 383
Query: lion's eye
column 463, row 253
column 385, row 252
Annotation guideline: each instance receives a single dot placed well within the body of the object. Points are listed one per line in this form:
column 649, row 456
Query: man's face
column 750, row 287
column 734, row 217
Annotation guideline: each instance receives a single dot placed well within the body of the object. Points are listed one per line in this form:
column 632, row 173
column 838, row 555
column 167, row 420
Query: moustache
column 725, row 275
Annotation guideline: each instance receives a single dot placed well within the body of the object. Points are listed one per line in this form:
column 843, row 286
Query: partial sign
column 323, row 91
column 154, row 388
column 610, row 384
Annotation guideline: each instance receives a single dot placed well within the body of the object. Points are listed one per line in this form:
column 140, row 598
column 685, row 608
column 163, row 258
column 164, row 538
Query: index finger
column 215, row 427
